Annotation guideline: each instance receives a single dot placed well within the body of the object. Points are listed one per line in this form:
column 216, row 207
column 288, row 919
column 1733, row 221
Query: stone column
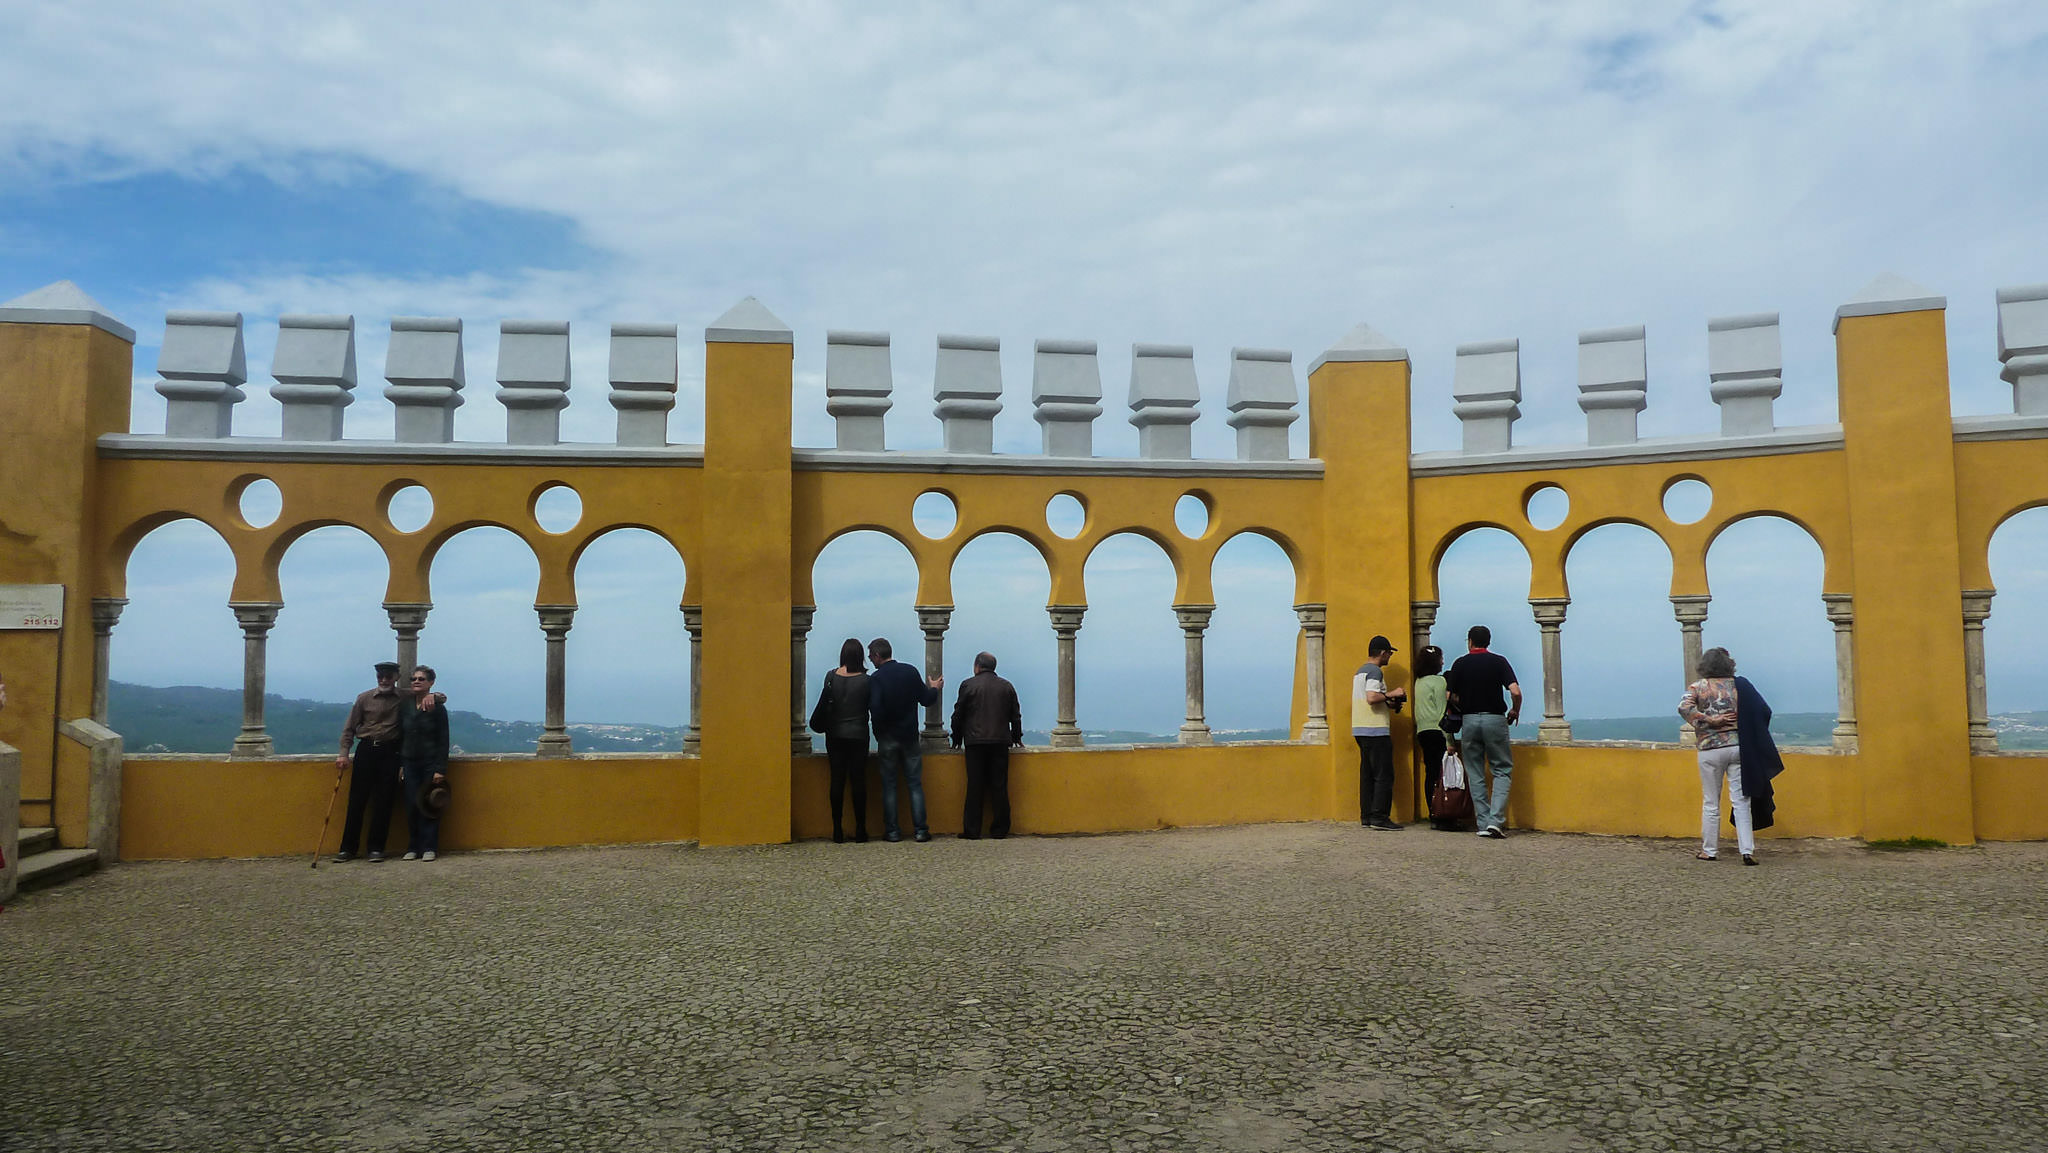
column 407, row 619
column 934, row 620
column 1553, row 729
column 256, row 618
column 1692, row 613
column 1842, row 614
column 1066, row 621
column 693, row 620
column 1421, row 621
column 1976, row 608
column 799, row 717
column 1315, row 729
column 106, row 613
column 1194, row 621
column 554, row 623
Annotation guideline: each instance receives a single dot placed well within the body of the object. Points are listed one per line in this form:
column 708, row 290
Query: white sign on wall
column 31, row 606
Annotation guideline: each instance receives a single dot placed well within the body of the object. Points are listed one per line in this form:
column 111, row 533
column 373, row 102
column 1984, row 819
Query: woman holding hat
column 423, row 755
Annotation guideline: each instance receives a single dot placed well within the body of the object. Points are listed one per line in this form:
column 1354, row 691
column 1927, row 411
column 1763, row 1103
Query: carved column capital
column 106, row 613
column 1549, row 610
column 1691, row 609
column 1421, row 615
column 1977, row 606
column 693, row 619
column 1066, row 619
column 255, row 617
column 556, row 620
column 800, row 617
column 934, row 619
column 1313, row 617
column 1193, row 618
column 408, row 616
column 1841, row 608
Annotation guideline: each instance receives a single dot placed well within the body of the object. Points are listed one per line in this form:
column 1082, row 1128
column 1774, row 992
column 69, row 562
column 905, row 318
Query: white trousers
column 1716, row 764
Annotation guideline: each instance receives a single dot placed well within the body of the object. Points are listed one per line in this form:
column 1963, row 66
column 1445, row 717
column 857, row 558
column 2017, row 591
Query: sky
column 1213, row 174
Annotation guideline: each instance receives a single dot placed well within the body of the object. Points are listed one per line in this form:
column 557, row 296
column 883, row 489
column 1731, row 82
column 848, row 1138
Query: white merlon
column 2023, row 346
column 749, row 322
column 1066, row 391
column 1165, row 400
column 533, row 379
column 62, row 302
column 424, row 366
column 643, row 374
column 1486, row 388
column 857, row 386
column 315, row 367
column 1745, row 371
column 967, row 383
column 1887, row 294
column 1363, row 343
column 1261, row 398
column 202, row 365
column 1613, row 383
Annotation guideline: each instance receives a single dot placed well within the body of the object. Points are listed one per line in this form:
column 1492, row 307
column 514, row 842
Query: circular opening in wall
column 1066, row 516
column 1547, row 507
column 410, row 508
column 935, row 515
column 557, row 508
column 1191, row 515
column 1687, row 500
column 260, row 503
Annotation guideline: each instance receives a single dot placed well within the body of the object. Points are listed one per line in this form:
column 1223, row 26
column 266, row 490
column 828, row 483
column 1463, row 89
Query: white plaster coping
column 2022, row 320
column 857, row 365
column 749, row 322
column 2000, row 426
column 318, row 351
column 1163, row 376
column 1065, row 372
column 1887, row 294
column 1261, row 378
column 534, row 354
column 1783, row 442
column 643, row 357
column 834, row 460
column 1363, row 343
column 1612, row 360
column 968, row 368
column 132, row 446
column 1488, row 370
column 425, row 352
column 62, row 302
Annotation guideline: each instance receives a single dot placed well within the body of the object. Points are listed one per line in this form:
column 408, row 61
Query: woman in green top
column 1431, row 698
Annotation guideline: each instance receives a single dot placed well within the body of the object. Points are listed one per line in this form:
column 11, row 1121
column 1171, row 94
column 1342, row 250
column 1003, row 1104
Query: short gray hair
column 1716, row 662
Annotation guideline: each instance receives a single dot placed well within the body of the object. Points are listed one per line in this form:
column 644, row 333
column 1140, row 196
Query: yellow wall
column 2010, row 793
column 180, row 807
column 1655, row 792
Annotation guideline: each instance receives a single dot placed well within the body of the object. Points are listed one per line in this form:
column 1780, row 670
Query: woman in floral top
column 1709, row 707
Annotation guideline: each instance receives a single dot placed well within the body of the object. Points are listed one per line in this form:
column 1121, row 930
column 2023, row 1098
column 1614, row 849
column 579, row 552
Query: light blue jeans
column 901, row 756
column 1483, row 745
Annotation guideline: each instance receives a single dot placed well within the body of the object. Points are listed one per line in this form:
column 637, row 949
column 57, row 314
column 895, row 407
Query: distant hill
column 186, row 719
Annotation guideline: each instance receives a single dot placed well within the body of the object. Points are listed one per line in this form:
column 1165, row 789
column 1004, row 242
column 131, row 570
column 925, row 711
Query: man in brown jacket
column 987, row 721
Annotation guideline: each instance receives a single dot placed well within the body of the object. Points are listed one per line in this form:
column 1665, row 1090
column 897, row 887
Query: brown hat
column 434, row 798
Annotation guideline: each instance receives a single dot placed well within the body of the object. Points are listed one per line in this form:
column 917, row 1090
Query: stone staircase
column 44, row 864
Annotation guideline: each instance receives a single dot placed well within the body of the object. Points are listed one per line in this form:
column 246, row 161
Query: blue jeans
column 901, row 755
column 1483, row 744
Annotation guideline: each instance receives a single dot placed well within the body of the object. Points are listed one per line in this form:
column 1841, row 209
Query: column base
column 693, row 745
column 801, row 746
column 1196, row 734
column 1983, row 742
column 252, row 747
column 1315, row 733
column 1844, row 738
column 552, row 745
column 1553, row 732
column 934, row 743
column 1069, row 738
column 1688, row 739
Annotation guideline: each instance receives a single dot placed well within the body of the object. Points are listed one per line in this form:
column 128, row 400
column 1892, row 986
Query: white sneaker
column 427, row 856
column 410, row 857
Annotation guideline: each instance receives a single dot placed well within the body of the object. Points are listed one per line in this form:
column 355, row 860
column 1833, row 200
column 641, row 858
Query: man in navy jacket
column 895, row 692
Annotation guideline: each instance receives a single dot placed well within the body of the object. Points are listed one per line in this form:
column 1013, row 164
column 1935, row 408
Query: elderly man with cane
column 373, row 728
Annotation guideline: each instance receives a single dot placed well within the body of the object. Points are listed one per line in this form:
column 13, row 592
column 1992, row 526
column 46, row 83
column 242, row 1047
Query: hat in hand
column 434, row 798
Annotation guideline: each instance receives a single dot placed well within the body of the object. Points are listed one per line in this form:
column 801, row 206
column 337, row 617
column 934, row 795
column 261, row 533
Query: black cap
column 381, row 666
column 1379, row 645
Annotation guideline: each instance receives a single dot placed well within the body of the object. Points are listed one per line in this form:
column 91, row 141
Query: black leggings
column 1431, row 741
column 848, row 757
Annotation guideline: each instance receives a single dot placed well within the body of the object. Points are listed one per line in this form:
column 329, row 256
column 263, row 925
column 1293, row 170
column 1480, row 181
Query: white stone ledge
column 2002, row 426
column 1784, row 442
column 132, row 446
column 86, row 316
column 838, row 460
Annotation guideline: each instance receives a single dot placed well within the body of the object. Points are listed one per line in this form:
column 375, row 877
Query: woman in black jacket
column 842, row 715
column 422, row 757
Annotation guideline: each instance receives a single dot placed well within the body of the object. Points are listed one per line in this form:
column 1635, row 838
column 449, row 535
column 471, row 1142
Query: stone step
column 34, row 841
column 55, row 866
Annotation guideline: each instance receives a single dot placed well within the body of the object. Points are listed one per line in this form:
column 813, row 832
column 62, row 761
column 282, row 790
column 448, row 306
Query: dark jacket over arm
column 986, row 712
column 895, row 691
column 1760, row 759
column 423, row 736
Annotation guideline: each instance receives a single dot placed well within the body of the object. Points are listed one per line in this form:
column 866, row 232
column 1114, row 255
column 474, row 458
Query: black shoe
column 1495, row 832
column 860, row 836
column 838, row 838
column 970, row 836
column 1748, row 860
column 998, row 836
column 892, row 836
column 1389, row 826
column 343, row 857
column 376, row 858
column 922, row 837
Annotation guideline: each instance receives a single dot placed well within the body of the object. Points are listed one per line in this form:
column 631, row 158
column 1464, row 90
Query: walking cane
column 329, row 818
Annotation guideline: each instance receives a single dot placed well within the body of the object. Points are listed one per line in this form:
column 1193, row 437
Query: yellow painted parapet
column 1901, row 504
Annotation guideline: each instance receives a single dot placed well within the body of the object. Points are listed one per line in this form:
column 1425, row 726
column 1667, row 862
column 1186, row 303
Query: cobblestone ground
column 1277, row 987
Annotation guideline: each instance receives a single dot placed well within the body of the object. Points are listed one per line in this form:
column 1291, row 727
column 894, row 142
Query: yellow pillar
column 1358, row 428
column 743, row 790
column 1891, row 349
column 65, row 372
